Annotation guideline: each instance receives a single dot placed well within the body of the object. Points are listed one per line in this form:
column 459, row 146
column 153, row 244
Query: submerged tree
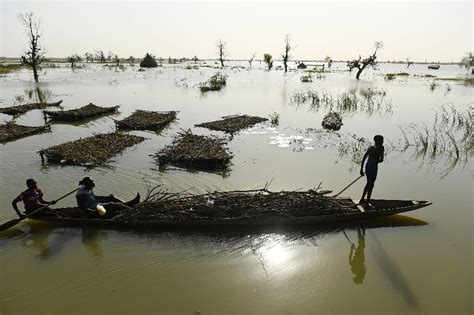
column 89, row 57
column 221, row 51
column 362, row 64
column 467, row 61
column 268, row 60
column 329, row 61
column 73, row 60
column 409, row 62
column 34, row 56
column 286, row 56
column 100, row 55
column 251, row 60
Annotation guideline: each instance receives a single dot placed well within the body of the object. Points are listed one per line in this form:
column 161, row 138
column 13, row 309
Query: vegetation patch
column 21, row 109
column 195, row 151
column 11, row 131
column 215, row 83
column 246, row 205
column 465, row 81
column 90, row 151
column 306, row 78
column 332, row 121
column 148, row 120
column 7, row 68
column 84, row 112
column 233, row 124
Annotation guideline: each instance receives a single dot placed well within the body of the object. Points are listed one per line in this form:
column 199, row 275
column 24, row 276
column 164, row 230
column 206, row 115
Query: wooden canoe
column 380, row 208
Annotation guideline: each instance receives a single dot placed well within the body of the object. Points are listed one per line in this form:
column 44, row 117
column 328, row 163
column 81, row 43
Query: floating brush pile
column 11, row 131
column 195, row 151
column 215, row 83
column 84, row 112
column 237, row 205
column 21, row 109
column 90, row 151
column 232, row 124
column 332, row 121
column 149, row 120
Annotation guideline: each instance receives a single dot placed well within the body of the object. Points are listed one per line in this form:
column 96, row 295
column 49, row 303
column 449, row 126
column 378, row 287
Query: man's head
column 378, row 139
column 87, row 182
column 31, row 183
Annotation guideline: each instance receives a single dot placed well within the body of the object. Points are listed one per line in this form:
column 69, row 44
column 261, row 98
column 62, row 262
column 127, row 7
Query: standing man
column 32, row 199
column 375, row 156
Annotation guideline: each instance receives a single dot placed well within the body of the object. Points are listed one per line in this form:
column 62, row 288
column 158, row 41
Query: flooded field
column 418, row 263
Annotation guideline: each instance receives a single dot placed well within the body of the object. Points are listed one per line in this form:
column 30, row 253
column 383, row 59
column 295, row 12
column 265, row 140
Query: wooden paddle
column 9, row 224
column 348, row 186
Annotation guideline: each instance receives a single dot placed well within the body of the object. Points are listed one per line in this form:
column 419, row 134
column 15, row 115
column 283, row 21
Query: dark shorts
column 371, row 172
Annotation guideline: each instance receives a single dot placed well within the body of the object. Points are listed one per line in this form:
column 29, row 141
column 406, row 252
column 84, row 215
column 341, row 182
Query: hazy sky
column 434, row 31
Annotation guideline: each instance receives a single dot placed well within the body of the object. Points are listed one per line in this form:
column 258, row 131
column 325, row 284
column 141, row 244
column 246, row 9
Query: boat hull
column 399, row 206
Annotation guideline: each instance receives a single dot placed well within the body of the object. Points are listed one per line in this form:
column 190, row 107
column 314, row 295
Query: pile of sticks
column 148, row 120
column 11, row 131
column 248, row 204
column 84, row 112
column 195, row 151
column 90, row 151
column 233, row 124
column 21, row 109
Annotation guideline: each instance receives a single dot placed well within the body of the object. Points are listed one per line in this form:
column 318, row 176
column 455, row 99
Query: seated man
column 32, row 199
column 91, row 206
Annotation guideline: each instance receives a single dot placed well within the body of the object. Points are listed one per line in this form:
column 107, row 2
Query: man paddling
column 32, row 199
column 375, row 156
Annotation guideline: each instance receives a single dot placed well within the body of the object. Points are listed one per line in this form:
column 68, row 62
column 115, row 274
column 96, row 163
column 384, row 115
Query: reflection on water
column 393, row 272
column 92, row 240
column 357, row 256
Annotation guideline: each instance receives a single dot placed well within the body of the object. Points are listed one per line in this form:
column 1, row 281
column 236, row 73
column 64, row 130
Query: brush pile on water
column 84, row 112
column 11, row 131
column 149, row 120
column 195, row 151
column 90, row 151
column 332, row 121
column 237, row 205
column 232, row 124
column 215, row 83
column 21, row 109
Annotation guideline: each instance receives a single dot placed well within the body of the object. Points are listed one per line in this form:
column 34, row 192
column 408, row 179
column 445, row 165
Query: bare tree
column 116, row 60
column 195, row 59
column 409, row 63
column 221, row 51
column 34, row 56
column 362, row 64
column 131, row 59
column 286, row 56
column 110, row 56
column 251, row 60
column 268, row 60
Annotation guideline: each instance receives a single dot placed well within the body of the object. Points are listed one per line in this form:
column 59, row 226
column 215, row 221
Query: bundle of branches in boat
column 90, row 151
column 195, row 151
column 142, row 119
column 237, row 205
column 232, row 124
column 11, row 131
column 21, row 109
column 84, row 112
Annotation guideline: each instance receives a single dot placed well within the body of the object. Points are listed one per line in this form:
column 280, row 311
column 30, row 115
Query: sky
column 421, row 31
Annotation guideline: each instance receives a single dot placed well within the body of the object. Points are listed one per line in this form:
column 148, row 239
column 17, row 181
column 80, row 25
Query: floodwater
column 418, row 263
